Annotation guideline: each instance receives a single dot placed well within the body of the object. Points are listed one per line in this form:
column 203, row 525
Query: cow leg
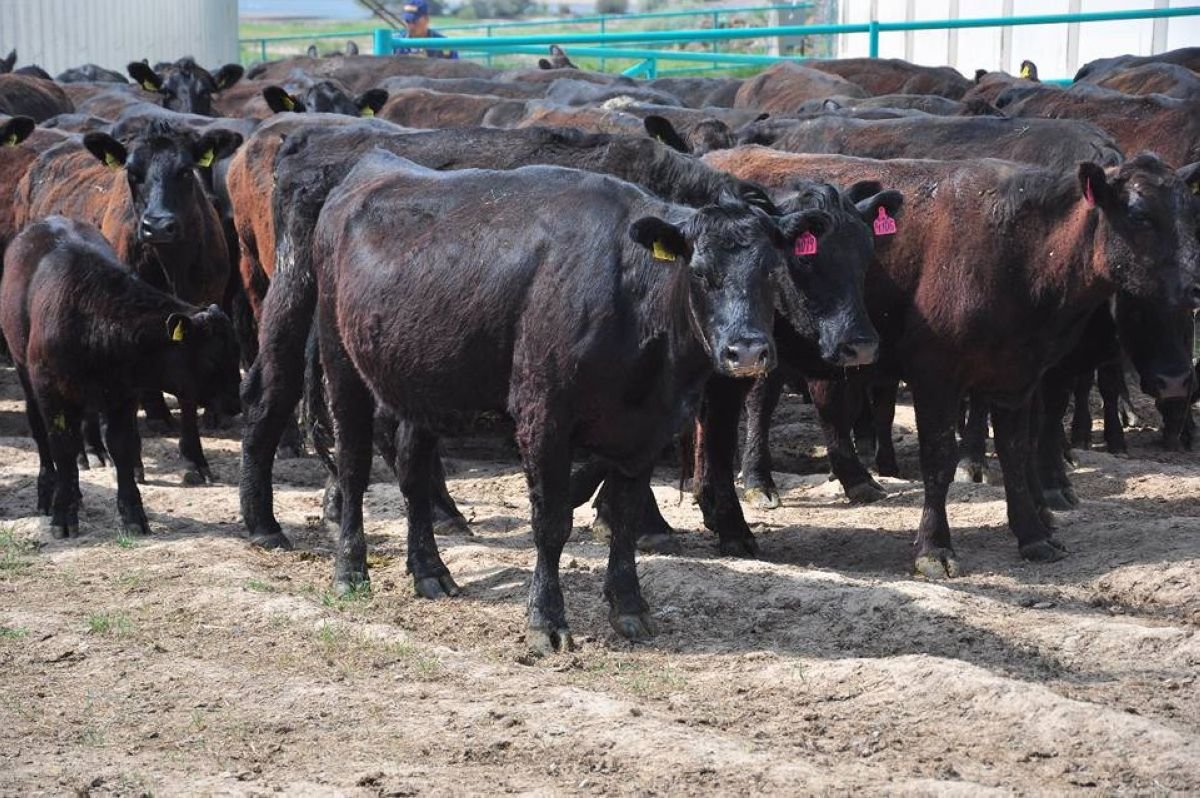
column 93, row 453
column 1081, row 418
column 863, row 426
column 158, row 415
column 47, row 474
column 1174, row 414
column 121, row 431
column 716, row 445
column 1049, row 441
column 628, row 612
column 759, row 486
column 883, row 411
column 546, row 459
column 414, row 463
column 351, row 408
column 934, row 555
column 189, row 446
column 393, row 438
column 972, row 450
column 63, row 426
column 652, row 532
column 1111, row 381
column 830, row 397
column 1020, row 487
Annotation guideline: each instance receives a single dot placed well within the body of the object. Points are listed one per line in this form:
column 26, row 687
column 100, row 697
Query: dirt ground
column 189, row 662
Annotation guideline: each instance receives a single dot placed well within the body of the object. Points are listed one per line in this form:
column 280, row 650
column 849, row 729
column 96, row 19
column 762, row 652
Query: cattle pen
column 728, row 400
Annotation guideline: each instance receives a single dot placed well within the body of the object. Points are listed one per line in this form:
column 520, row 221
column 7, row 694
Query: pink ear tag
column 1087, row 193
column 806, row 244
column 884, row 224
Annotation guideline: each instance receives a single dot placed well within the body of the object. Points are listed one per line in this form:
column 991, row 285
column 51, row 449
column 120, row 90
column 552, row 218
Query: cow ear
column 351, row 47
column 311, row 52
column 1190, row 175
column 980, row 74
column 228, row 75
column 179, row 327
column 794, row 225
column 215, row 145
column 664, row 240
column 863, row 189
column 1094, row 185
column 16, row 130
column 544, row 64
column 756, row 196
column 279, row 100
column 890, row 201
column 8, row 62
column 664, row 132
column 107, row 150
column 370, row 101
column 144, row 76
column 1029, row 71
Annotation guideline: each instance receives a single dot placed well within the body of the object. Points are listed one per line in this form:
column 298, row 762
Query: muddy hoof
column 542, row 642
column 1070, row 495
column 272, row 540
column 969, row 471
column 1048, row 550
column 746, row 547
column 632, row 627
column 194, row 477
column 351, row 583
column 61, row 531
column 453, row 526
column 659, row 543
column 1057, row 500
column 762, row 498
column 938, row 564
column 133, row 528
column 866, row 493
column 434, row 587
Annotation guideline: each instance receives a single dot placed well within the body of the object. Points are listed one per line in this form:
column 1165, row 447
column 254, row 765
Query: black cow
column 590, row 340
column 323, row 96
column 185, row 85
column 88, row 336
column 90, row 73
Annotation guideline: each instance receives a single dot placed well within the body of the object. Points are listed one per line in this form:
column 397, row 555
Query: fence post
column 262, row 47
column 716, row 45
column 873, row 41
column 383, row 42
column 489, row 52
column 603, row 60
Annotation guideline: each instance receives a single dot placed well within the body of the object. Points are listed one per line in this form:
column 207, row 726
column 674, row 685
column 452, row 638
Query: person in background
column 416, row 19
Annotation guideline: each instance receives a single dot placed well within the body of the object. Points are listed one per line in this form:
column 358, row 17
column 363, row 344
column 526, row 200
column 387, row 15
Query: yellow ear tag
column 177, row 333
column 1025, row 71
column 206, row 159
column 288, row 103
column 59, row 422
column 658, row 139
column 1196, row 188
column 148, row 86
column 111, row 162
column 366, row 111
column 11, row 141
column 661, row 252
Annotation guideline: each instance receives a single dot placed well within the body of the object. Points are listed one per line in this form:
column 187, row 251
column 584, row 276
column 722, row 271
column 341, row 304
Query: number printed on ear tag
column 884, row 224
column 806, row 244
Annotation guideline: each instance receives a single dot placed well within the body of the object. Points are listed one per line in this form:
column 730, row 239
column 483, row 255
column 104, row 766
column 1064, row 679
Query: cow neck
column 680, row 178
column 134, row 313
column 1068, row 270
column 673, row 315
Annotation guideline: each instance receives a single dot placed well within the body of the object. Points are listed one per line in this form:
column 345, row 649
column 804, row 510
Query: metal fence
column 649, row 60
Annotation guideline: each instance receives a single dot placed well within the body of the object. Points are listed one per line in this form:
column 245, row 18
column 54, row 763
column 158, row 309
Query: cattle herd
column 394, row 249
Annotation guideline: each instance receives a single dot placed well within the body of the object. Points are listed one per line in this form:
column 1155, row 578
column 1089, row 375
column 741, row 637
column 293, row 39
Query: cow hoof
column 746, row 547
column 1046, row 550
column 601, row 531
column 1057, row 500
column 938, row 564
column 351, row 584
column 761, row 498
column 82, row 462
column 1070, row 495
column 453, row 526
column 434, row 587
column 1048, row 518
column 632, row 627
column 866, row 493
column 272, row 540
column 659, row 543
column 135, row 528
column 887, row 469
column 62, row 531
column 194, row 477
column 549, row 641
column 969, row 471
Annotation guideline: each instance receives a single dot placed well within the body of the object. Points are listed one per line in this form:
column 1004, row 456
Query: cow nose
column 1175, row 386
column 748, row 356
column 159, row 227
column 858, row 353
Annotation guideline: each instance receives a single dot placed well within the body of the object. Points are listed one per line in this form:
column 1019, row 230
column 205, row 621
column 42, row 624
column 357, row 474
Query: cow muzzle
column 1174, row 386
column 750, row 356
column 159, row 229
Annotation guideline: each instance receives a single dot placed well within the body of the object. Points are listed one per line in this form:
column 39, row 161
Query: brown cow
column 989, row 281
column 362, row 72
column 896, row 76
column 23, row 95
column 783, row 87
column 423, row 108
column 1167, row 79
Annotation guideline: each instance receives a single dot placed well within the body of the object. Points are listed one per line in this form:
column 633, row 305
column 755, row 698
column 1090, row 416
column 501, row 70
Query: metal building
column 57, row 34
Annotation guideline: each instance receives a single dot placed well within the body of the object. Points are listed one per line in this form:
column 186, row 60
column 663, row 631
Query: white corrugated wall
column 58, row 34
column 1058, row 50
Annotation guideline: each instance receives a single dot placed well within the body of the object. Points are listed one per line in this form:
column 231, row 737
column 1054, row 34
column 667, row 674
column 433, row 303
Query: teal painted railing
column 386, row 41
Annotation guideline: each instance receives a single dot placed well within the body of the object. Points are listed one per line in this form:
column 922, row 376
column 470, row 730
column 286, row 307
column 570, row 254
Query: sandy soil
column 189, row 662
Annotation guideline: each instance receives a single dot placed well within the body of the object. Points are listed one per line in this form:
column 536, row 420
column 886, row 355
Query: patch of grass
column 125, row 540
column 113, row 624
column 13, row 632
column 259, row 586
column 359, row 594
column 348, row 648
column 425, row 666
column 648, row 680
column 14, row 552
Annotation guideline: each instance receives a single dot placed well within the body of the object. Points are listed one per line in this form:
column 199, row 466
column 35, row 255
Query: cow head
column 728, row 255
column 160, row 167
column 8, row 62
column 1148, row 233
column 704, row 137
column 325, row 96
column 185, row 85
column 15, row 130
column 202, row 359
column 557, row 60
column 1159, row 345
column 822, row 297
